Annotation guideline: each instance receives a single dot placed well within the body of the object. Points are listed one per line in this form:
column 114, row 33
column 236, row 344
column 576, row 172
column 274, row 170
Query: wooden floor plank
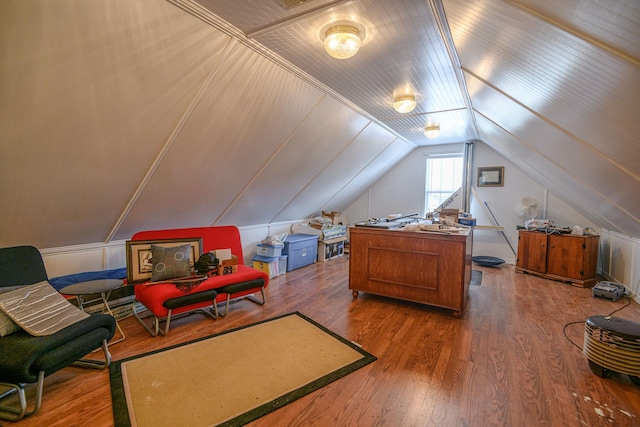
column 506, row 362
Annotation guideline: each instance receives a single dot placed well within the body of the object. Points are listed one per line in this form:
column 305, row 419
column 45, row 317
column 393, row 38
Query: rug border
column 121, row 417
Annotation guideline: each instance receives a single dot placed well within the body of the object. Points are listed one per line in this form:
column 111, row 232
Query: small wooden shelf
column 488, row 227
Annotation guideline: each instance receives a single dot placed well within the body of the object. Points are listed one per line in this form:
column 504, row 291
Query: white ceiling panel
column 300, row 159
column 172, row 113
column 403, row 52
column 84, row 106
column 376, row 168
column 224, row 143
column 619, row 187
column 250, row 16
column 455, row 126
column 590, row 93
column 555, row 155
column 345, row 166
column 611, row 24
column 557, row 181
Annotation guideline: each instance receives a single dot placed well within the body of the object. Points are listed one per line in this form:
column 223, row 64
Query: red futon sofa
column 166, row 299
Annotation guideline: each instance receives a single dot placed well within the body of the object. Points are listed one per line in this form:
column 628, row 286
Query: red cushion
column 216, row 237
column 153, row 296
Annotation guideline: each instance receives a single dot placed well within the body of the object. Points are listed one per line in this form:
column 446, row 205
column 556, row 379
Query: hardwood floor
column 506, row 362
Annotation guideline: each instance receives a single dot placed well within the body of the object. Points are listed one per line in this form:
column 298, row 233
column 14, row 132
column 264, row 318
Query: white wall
column 80, row 258
column 402, row 191
column 106, row 256
column 502, row 201
column 620, row 260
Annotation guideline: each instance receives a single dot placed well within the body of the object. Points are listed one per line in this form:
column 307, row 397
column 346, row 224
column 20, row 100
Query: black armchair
column 27, row 359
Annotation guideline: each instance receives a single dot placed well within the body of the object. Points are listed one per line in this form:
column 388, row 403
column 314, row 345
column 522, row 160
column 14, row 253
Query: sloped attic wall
column 553, row 86
column 118, row 116
column 88, row 96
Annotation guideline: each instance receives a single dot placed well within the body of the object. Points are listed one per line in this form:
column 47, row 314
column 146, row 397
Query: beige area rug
column 231, row 378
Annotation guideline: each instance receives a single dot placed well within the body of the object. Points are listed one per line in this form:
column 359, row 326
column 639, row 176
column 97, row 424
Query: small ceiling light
column 432, row 131
column 404, row 103
column 342, row 41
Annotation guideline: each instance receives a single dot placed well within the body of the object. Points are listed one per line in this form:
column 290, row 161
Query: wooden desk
column 422, row 267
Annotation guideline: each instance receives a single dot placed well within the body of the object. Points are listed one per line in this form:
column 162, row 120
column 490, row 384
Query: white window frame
column 448, row 192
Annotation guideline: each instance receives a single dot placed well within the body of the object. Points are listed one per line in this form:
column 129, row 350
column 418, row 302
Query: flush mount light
column 432, row 131
column 404, row 103
column 342, row 41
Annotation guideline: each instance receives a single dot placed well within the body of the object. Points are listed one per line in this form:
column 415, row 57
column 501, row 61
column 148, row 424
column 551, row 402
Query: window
column 444, row 177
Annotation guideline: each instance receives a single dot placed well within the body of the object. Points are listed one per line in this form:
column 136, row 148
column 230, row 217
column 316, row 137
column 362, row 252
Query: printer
column 608, row 290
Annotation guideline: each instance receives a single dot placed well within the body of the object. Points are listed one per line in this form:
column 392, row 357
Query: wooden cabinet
column 564, row 257
column 427, row 268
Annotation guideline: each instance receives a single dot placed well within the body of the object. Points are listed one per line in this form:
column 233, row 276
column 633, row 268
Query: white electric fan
column 528, row 209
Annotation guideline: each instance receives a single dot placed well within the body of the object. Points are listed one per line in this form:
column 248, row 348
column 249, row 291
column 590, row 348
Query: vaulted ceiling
column 119, row 115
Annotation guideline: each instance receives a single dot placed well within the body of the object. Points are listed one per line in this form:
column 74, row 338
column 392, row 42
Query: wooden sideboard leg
column 355, row 294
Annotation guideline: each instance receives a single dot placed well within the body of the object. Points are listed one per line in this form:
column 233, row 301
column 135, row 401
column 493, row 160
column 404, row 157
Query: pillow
column 170, row 263
column 7, row 326
column 39, row 309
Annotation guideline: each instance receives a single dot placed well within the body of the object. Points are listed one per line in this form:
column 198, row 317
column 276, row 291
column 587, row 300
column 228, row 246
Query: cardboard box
column 471, row 222
column 335, row 217
column 228, row 266
column 222, row 254
column 449, row 216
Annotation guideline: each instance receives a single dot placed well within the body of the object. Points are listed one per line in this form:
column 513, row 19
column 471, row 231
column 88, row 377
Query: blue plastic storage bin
column 301, row 250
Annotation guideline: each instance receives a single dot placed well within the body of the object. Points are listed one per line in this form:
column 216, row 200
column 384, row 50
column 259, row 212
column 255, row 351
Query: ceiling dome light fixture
column 404, row 103
column 342, row 41
column 432, row 131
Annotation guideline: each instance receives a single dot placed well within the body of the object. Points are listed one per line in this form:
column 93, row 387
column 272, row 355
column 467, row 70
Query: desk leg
column 105, row 306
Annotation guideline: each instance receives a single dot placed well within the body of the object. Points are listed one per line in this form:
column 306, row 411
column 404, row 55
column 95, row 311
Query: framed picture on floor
column 140, row 261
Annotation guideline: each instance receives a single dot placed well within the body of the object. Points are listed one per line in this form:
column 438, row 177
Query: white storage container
column 269, row 250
